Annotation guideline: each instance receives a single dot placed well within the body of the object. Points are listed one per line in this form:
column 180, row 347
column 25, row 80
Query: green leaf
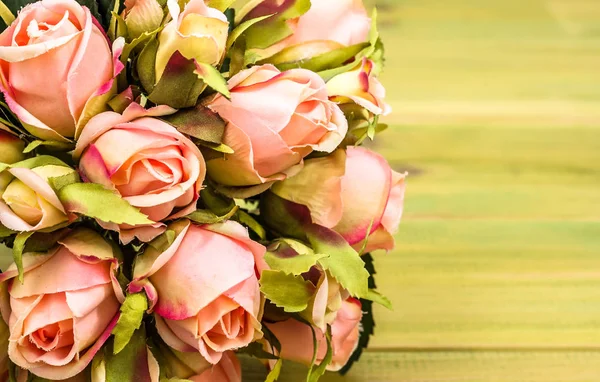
column 378, row 298
column 179, row 86
column 292, row 293
column 213, row 78
column 216, row 202
column 61, row 146
column 94, row 201
column 18, row 247
column 247, row 219
column 209, row 217
column 221, row 5
column 275, row 372
column 343, row 263
column 367, row 322
column 199, row 122
column 283, row 257
column 316, row 373
column 130, row 320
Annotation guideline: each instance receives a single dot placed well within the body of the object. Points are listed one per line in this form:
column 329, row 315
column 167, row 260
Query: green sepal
column 243, row 27
column 343, row 262
column 326, row 61
column 6, row 14
column 212, row 77
column 95, row 201
column 118, row 27
column 130, row 320
column 291, row 257
column 38, row 161
column 209, row 217
column 145, row 65
column 217, row 203
column 315, row 373
column 59, row 146
column 137, row 44
column 131, row 364
column 216, row 147
column 163, row 241
column 292, row 293
column 179, row 86
column 247, row 220
column 58, row 182
column 198, row 122
column 256, row 350
column 275, row 372
column 5, row 232
column 18, row 247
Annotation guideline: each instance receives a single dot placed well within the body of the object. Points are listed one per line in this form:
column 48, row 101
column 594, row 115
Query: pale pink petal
column 49, row 276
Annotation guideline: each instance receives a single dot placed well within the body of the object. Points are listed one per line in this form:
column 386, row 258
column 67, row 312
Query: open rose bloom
column 65, row 308
column 182, row 182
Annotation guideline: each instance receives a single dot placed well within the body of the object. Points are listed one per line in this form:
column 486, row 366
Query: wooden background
column 496, row 276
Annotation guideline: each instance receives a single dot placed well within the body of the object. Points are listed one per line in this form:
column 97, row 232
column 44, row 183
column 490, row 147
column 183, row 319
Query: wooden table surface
column 496, row 275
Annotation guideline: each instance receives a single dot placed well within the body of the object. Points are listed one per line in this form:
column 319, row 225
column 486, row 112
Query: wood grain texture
column 461, row 366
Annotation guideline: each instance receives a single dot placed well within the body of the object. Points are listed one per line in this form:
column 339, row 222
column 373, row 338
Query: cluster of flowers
column 181, row 181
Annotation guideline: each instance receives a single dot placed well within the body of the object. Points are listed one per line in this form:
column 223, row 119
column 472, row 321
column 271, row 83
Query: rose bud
column 142, row 16
column 361, row 87
column 66, row 307
column 355, row 193
column 54, row 62
column 203, row 287
column 28, row 202
column 326, row 26
column 227, row 370
column 198, row 33
column 274, row 120
column 11, row 151
column 147, row 161
column 296, row 338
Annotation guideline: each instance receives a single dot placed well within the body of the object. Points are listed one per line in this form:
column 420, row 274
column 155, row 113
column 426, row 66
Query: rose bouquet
column 182, row 182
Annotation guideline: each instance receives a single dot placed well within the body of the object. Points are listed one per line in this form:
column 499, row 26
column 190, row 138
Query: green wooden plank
column 458, row 366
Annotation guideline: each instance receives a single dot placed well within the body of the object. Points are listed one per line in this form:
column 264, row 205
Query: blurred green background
column 496, row 275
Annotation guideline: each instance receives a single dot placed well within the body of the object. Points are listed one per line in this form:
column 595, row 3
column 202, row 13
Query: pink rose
column 65, row 309
column 350, row 192
column 227, row 370
column 27, row 201
column 327, row 25
column 147, row 161
column 54, row 61
column 361, row 87
column 297, row 341
column 275, row 119
column 203, row 288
